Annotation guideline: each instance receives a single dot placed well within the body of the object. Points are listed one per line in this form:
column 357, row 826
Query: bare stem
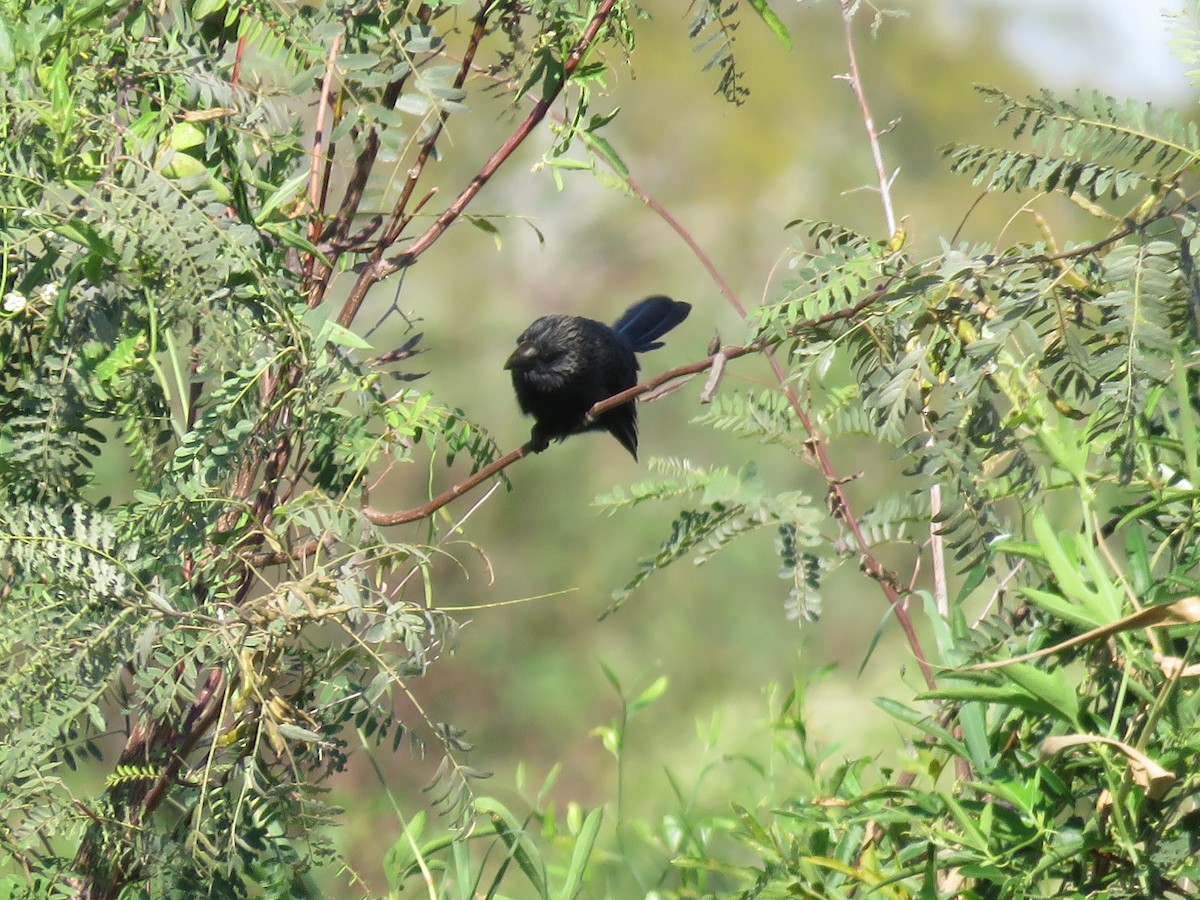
column 839, row 501
column 937, row 544
column 314, row 171
column 860, row 94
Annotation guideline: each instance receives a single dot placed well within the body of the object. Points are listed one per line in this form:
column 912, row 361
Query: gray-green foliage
column 234, row 607
column 1046, row 393
column 968, row 365
column 188, row 423
column 1039, row 398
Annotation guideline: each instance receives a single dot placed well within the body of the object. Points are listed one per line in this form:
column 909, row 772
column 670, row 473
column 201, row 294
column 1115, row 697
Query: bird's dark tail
column 648, row 320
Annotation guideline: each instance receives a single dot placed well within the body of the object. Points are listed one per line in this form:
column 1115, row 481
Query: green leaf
column 581, row 853
column 8, row 59
column 1186, row 423
column 202, row 9
column 341, row 336
column 1053, row 688
column 298, row 733
column 995, row 694
column 121, row 357
column 400, row 857
column 1061, row 608
column 281, row 195
column 520, row 847
column 649, row 695
column 87, row 236
column 185, row 135
column 287, row 233
column 923, row 722
column 772, row 21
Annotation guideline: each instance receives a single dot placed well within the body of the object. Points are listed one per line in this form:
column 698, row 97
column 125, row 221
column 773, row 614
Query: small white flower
column 14, row 302
column 45, row 293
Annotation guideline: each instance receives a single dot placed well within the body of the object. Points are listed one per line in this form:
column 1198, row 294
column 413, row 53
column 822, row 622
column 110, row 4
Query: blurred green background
column 525, row 681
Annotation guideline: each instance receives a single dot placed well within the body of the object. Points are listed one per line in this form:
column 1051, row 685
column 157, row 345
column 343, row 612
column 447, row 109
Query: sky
column 1119, row 46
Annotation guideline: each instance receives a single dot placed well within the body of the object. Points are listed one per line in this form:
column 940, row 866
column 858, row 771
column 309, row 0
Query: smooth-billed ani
column 563, row 365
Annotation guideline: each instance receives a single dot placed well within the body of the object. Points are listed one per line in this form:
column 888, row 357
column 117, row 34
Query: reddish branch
column 309, row 546
column 380, row 267
column 839, row 501
column 401, row 217
column 153, row 746
column 314, row 170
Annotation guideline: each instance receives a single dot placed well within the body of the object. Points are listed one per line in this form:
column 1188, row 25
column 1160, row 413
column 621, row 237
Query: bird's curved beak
column 522, row 358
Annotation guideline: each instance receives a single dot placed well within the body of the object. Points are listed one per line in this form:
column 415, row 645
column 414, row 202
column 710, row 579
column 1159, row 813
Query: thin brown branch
column 840, row 505
column 400, row 216
column 1122, row 233
column 840, row 502
column 686, row 236
column 239, row 55
column 360, row 174
column 425, row 510
column 204, row 713
column 870, row 564
column 297, row 552
column 354, row 241
column 309, row 546
column 318, row 144
column 318, row 175
column 105, row 869
column 381, row 268
column 336, row 234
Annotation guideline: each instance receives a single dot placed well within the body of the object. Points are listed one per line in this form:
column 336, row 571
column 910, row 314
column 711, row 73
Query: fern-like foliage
column 1094, row 145
column 714, row 25
column 187, row 433
column 1006, row 435
column 768, row 417
column 994, row 373
column 732, row 504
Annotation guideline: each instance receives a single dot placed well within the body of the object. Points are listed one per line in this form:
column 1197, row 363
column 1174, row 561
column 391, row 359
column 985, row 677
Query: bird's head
column 546, row 350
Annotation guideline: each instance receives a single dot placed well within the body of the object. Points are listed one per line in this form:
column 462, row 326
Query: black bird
column 563, row 365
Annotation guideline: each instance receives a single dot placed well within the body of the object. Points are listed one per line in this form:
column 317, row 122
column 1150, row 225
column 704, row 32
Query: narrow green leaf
column 995, row 694
column 1060, row 607
column 342, row 336
column 1137, row 555
column 1186, row 422
column 287, row 233
column 520, row 847
column 121, row 357
column 582, row 853
column 611, row 677
column 649, row 695
column 1052, row 687
column 285, row 192
column 1062, row 553
column 8, row 59
column 772, row 21
column 922, row 722
column 400, row 857
column 202, row 9
column 297, row 733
